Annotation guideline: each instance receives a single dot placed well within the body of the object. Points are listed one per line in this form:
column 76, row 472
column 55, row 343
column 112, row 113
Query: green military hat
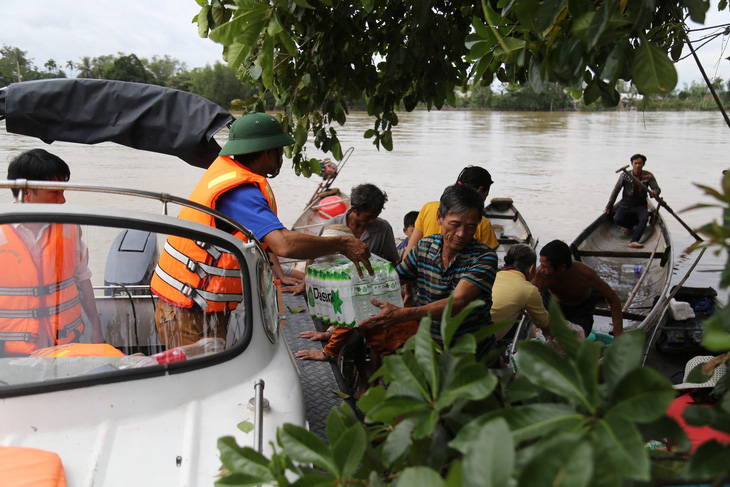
column 255, row 132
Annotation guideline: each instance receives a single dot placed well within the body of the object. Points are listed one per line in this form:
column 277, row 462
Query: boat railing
column 164, row 198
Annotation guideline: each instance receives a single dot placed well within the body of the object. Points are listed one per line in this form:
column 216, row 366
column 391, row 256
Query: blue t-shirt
column 247, row 205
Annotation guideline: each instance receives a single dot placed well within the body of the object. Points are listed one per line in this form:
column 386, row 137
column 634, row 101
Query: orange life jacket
column 39, row 300
column 196, row 272
column 21, row 466
column 78, row 350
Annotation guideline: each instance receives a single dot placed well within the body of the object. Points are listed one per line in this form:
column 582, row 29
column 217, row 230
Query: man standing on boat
column 451, row 262
column 575, row 286
column 45, row 280
column 632, row 209
column 235, row 184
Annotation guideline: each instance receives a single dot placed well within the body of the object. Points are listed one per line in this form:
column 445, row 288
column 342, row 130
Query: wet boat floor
column 320, row 379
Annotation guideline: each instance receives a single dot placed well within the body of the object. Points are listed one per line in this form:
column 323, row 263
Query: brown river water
column 559, row 168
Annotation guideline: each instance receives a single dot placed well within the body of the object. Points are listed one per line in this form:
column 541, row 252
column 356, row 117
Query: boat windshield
column 78, row 300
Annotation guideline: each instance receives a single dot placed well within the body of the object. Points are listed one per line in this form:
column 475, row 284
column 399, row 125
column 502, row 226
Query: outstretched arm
column 288, row 243
column 389, row 315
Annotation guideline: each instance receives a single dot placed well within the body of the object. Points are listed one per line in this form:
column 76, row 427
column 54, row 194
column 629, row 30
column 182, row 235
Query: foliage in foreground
column 444, row 419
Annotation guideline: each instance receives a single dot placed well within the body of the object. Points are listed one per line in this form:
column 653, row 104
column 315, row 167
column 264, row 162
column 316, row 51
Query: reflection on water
column 559, row 168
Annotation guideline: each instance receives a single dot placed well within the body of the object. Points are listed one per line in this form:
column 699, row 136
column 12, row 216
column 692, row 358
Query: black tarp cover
column 141, row 116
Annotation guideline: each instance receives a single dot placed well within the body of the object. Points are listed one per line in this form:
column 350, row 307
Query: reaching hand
column 310, row 355
column 316, row 336
column 295, row 290
column 357, row 252
column 387, row 316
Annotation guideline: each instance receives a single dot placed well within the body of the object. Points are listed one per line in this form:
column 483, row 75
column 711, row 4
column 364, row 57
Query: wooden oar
column 661, row 202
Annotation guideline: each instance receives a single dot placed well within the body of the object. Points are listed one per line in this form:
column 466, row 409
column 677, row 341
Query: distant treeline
column 220, row 84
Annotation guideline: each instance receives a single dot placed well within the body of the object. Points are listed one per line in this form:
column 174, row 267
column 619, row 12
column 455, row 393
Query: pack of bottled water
column 336, row 295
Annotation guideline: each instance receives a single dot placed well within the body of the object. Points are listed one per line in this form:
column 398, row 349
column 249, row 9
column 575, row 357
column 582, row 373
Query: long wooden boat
column 603, row 247
column 674, row 341
column 509, row 225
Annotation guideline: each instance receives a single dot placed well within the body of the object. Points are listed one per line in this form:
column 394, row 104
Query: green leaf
column 349, row 449
column 404, row 368
column 300, row 134
column 368, row 5
column 421, row 476
column 398, row 441
column 245, row 426
column 587, row 363
column 540, row 420
column 426, row 357
column 544, row 367
column 244, row 461
column 716, row 337
column 652, row 70
column 473, row 382
column 563, row 460
column 489, row 458
column 548, row 13
column 598, row 24
column 710, row 460
column 274, row 27
column 623, row 356
column 305, row 447
column 371, row 398
column 697, row 9
column 641, row 396
column 267, row 62
column 425, row 423
column 614, row 63
column 624, row 446
column 335, row 426
column 386, row 140
column 713, row 417
column 251, row 21
column 450, row 324
column 203, row 25
column 288, row 42
column 395, row 406
column 564, row 334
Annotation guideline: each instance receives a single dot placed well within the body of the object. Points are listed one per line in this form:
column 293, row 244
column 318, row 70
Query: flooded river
column 559, row 168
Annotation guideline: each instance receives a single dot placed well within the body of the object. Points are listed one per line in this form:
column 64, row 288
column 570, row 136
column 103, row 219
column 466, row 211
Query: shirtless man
column 575, row 286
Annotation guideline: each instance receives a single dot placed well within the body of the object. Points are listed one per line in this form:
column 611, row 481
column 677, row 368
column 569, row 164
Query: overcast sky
column 63, row 31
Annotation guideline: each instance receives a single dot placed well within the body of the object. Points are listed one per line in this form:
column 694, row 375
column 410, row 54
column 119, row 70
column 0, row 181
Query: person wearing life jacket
column 199, row 285
column 45, row 279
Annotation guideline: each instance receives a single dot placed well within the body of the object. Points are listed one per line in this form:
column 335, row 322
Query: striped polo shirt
column 477, row 263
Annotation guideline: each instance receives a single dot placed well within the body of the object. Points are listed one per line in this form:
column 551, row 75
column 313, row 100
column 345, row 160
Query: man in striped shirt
column 449, row 262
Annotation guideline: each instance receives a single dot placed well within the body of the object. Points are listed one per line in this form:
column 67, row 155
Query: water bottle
column 394, row 297
column 637, row 269
column 380, row 284
column 309, row 292
column 363, row 291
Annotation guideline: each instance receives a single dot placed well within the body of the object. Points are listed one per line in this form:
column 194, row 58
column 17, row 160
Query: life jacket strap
column 37, row 291
column 199, row 296
column 199, row 268
column 70, row 328
column 43, row 312
column 23, row 336
column 211, row 249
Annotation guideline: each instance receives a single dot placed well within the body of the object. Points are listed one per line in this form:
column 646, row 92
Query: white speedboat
column 133, row 412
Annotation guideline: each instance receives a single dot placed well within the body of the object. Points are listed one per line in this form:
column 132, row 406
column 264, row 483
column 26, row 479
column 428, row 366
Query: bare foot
column 636, row 245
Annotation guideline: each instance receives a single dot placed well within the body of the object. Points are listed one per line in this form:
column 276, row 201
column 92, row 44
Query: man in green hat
column 235, row 184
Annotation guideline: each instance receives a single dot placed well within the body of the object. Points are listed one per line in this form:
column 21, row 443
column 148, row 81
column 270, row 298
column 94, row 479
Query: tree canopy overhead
column 315, row 55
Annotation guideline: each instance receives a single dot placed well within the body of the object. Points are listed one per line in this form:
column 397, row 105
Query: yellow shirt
column 511, row 294
column 427, row 223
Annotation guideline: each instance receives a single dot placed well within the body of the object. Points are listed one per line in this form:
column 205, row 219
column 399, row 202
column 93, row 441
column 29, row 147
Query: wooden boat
column 604, row 248
column 135, row 412
column 674, row 341
column 509, row 225
column 325, row 203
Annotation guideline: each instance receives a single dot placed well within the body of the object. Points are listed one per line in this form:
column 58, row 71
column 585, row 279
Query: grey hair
column 459, row 198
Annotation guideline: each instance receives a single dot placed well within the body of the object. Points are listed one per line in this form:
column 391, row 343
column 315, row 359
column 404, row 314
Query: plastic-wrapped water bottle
column 394, row 296
column 363, row 291
column 380, row 283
